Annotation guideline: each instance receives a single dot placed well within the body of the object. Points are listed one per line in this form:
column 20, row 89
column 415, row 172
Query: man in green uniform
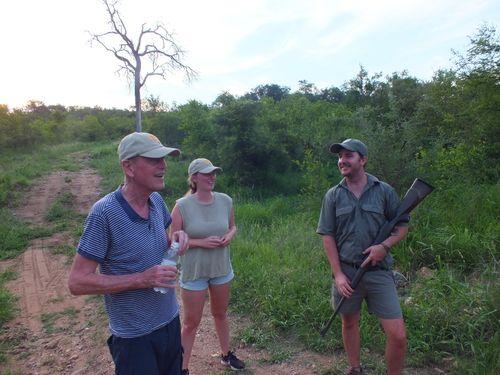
column 351, row 215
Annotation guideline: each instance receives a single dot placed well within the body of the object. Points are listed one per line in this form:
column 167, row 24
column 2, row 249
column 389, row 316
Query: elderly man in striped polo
column 125, row 235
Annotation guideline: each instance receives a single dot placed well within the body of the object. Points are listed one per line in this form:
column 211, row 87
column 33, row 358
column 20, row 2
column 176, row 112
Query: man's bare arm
column 84, row 279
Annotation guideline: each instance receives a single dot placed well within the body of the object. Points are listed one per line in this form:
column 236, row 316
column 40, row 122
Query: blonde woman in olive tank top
column 208, row 218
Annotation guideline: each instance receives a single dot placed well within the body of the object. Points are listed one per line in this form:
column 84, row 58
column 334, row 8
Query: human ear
column 128, row 167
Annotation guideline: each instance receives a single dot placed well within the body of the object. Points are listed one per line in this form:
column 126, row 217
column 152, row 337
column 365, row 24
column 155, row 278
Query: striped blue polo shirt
column 122, row 243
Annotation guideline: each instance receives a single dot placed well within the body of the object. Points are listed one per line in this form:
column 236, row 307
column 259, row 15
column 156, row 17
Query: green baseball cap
column 350, row 144
column 143, row 144
column 202, row 165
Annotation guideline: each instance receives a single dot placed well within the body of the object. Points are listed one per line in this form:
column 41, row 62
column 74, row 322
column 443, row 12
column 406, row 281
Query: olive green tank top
column 202, row 220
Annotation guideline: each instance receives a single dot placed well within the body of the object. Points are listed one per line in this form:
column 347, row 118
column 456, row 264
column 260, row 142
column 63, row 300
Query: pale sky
column 233, row 45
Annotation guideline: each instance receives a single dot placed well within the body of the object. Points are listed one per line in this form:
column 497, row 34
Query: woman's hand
column 183, row 239
column 227, row 238
column 211, row 242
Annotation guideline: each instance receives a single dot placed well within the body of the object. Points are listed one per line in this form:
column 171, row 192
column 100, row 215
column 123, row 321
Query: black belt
column 368, row 268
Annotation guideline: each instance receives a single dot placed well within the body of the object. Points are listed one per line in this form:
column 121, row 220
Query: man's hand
column 375, row 254
column 343, row 285
column 159, row 276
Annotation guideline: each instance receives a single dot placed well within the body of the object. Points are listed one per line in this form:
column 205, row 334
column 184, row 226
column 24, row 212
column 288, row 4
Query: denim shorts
column 377, row 287
column 203, row 282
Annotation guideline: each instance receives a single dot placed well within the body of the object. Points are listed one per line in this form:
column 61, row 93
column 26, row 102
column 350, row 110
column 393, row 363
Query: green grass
column 7, row 299
column 14, row 337
column 62, row 208
column 8, row 309
column 62, row 215
column 461, row 316
column 49, row 320
column 458, row 227
column 105, row 160
column 15, row 235
column 18, row 170
column 282, row 275
column 283, row 282
column 64, row 249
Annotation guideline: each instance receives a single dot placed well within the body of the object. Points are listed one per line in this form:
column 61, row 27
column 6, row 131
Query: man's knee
column 399, row 337
column 350, row 321
column 395, row 331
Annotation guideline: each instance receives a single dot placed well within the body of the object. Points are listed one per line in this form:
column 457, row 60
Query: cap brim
column 335, row 148
column 210, row 169
column 161, row 152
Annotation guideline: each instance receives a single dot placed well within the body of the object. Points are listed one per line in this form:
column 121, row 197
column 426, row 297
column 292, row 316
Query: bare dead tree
column 155, row 52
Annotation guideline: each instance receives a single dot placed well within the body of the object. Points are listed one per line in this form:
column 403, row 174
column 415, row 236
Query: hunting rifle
column 415, row 194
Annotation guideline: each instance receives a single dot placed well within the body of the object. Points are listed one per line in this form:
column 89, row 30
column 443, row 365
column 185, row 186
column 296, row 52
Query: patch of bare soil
column 57, row 333
column 83, row 185
column 206, row 351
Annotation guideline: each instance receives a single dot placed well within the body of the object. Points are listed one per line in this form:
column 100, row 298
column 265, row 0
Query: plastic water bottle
column 169, row 259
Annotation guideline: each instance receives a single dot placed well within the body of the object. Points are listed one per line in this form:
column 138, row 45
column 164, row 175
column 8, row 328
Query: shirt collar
column 371, row 180
column 128, row 209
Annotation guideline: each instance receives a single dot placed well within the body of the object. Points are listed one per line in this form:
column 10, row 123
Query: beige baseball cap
column 202, row 165
column 143, row 144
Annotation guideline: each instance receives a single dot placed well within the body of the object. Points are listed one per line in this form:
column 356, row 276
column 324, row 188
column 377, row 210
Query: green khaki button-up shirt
column 355, row 223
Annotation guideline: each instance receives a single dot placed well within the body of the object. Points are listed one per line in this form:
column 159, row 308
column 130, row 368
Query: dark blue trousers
column 158, row 353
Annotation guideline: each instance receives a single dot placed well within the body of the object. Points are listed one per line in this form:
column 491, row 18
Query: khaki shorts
column 377, row 287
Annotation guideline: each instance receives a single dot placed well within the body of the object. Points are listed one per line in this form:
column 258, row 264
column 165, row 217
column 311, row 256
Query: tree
column 154, row 104
column 483, row 55
column 332, row 95
column 307, row 88
column 273, row 91
column 359, row 90
column 244, row 149
column 201, row 136
column 37, row 107
column 155, row 48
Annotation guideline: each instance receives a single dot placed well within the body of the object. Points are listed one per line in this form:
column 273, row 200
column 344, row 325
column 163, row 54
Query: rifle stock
column 415, row 194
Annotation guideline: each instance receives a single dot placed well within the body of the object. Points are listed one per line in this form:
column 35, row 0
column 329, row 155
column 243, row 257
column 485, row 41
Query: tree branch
column 162, row 53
